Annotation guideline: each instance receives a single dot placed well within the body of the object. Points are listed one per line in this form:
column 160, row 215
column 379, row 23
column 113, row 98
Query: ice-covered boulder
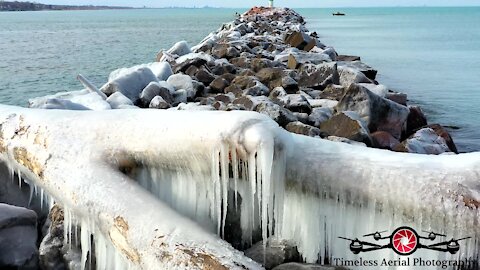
column 18, row 237
column 424, row 141
column 182, row 81
column 50, row 251
column 130, row 83
column 162, row 70
column 158, row 102
column 75, row 100
column 295, row 103
column 379, row 113
column 348, row 125
column 277, row 113
column 154, row 89
column 378, row 89
column 117, row 100
column 180, row 48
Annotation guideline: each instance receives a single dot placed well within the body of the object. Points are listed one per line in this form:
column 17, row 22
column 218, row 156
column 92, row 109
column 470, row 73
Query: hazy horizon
column 250, row 3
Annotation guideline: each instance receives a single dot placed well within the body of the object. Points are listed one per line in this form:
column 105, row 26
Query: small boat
column 338, row 14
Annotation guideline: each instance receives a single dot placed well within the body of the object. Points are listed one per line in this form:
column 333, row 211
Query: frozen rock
column 18, row 237
column 379, row 113
column 130, row 84
column 275, row 253
column 347, row 125
column 75, row 100
column 117, row 100
column 251, row 102
column 155, row 89
column 158, row 102
column 350, row 75
column 180, row 48
column 180, row 96
column 162, row 70
column 424, row 141
column 303, row 129
column 319, row 115
column 181, row 81
column 193, row 107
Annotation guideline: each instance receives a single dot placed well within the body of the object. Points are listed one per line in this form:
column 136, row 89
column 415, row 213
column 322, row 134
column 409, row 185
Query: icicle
column 85, row 242
column 41, row 199
column 235, row 175
column 32, row 188
column 225, row 179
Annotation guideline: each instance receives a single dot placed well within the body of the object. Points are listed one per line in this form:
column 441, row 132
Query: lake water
column 432, row 54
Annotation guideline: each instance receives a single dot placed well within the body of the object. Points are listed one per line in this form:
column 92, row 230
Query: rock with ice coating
column 75, row 100
column 303, row 129
column 154, row 89
column 424, row 141
column 181, row 81
column 378, row 89
column 379, row 113
column 319, row 115
column 158, row 102
column 117, row 100
column 18, row 237
column 162, row 70
column 51, row 247
column 130, row 83
column 368, row 71
column 180, row 48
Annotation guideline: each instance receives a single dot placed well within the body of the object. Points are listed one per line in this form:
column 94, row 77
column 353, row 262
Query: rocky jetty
column 267, row 61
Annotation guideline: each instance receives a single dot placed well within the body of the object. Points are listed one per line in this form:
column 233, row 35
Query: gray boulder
column 318, row 76
column 18, row 238
column 367, row 70
column 295, row 103
column 276, row 112
column 130, row 84
column 319, row 115
column 379, row 113
column 275, row 253
column 51, row 255
column 303, row 129
column 350, row 75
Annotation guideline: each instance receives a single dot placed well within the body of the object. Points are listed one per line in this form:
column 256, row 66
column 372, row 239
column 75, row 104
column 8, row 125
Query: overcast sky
column 249, row 3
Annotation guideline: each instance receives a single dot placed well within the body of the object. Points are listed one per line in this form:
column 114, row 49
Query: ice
column 75, row 100
column 117, row 100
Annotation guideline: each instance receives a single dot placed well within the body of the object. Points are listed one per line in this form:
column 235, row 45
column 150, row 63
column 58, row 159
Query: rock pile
column 267, row 61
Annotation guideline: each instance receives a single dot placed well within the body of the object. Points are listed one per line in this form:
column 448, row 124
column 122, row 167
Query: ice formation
column 289, row 186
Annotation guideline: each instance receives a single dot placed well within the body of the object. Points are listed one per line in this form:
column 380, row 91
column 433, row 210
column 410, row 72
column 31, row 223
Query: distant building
column 270, row 2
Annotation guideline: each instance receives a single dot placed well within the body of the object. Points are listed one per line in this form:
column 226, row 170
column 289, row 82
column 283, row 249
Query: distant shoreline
column 7, row 6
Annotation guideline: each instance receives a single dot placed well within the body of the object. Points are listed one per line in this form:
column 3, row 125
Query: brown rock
column 442, row 132
column 218, row 85
column 396, row 97
column 347, row 125
column 317, row 76
column 277, row 113
column 204, row 76
column 347, row 58
column 383, row 140
column 416, row 120
column 332, row 92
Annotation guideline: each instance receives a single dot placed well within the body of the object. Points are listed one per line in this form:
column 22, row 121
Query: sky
column 250, row 3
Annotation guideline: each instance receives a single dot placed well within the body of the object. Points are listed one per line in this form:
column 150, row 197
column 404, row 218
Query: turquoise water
column 432, row 54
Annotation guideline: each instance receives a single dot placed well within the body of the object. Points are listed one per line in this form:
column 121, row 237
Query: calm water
column 432, row 54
